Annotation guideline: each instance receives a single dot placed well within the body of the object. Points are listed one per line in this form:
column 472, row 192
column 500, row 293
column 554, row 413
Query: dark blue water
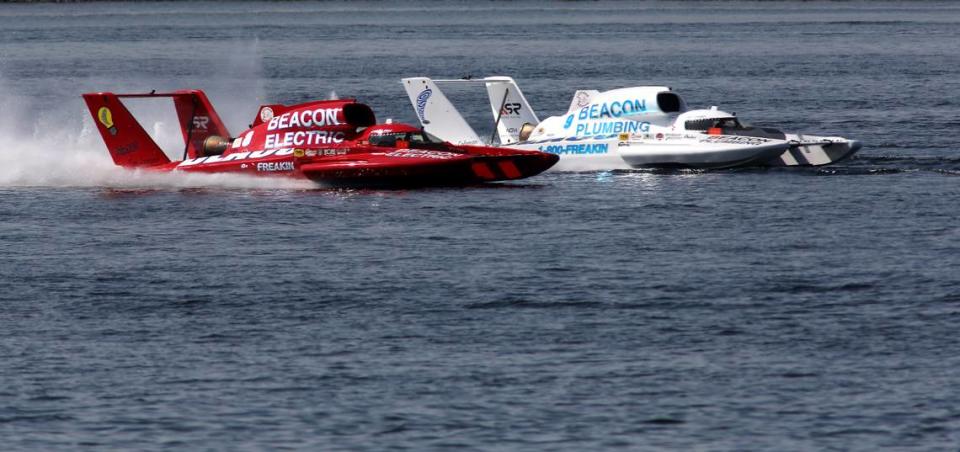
column 788, row 309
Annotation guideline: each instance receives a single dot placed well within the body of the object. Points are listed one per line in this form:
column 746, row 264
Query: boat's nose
column 855, row 145
column 515, row 166
column 533, row 164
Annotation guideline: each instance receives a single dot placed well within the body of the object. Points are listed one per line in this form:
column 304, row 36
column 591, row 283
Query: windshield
column 709, row 123
column 413, row 138
column 423, row 137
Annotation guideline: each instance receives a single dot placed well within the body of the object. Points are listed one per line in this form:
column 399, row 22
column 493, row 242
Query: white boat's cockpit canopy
column 721, row 122
column 729, row 122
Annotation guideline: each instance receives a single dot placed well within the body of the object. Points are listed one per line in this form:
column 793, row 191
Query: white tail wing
column 510, row 109
column 582, row 98
column 436, row 114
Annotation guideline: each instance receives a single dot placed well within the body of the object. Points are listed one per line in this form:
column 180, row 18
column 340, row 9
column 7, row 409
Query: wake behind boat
column 645, row 126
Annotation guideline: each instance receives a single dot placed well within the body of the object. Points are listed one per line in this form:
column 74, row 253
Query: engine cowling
column 215, row 145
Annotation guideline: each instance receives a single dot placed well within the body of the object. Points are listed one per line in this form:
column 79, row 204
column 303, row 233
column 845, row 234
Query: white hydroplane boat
column 644, row 126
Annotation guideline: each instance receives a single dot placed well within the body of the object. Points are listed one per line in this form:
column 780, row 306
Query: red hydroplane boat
column 332, row 142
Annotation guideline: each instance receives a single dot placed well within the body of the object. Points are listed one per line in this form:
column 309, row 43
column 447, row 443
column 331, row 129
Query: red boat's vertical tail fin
column 198, row 120
column 128, row 143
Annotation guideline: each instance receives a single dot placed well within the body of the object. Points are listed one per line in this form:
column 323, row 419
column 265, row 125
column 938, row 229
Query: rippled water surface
column 786, row 309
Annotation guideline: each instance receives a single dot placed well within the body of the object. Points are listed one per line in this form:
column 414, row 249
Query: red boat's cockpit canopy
column 388, row 135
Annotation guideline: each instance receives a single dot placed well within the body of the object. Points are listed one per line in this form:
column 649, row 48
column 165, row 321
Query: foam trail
column 54, row 155
column 588, row 165
column 45, row 163
column 60, row 146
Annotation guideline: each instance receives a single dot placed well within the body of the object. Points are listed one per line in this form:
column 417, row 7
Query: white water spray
column 61, row 147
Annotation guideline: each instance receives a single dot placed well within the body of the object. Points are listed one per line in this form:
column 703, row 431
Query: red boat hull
column 466, row 170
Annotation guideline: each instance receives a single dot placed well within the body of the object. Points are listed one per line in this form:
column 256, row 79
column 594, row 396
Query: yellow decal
column 105, row 116
column 298, row 153
column 624, row 136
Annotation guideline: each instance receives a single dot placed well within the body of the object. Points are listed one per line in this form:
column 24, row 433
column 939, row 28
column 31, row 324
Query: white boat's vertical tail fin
column 436, row 114
column 510, row 109
column 582, row 98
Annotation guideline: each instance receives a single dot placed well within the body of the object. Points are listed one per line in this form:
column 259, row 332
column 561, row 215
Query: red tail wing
column 198, row 120
column 128, row 143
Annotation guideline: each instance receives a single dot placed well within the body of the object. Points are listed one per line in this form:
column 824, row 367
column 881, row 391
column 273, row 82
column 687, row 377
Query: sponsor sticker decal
column 423, row 154
column 422, row 102
column 105, row 116
column 266, row 114
column 321, row 117
column 303, row 138
column 582, row 99
column 131, row 147
column 275, row 166
column 237, row 156
column 587, row 129
column 613, row 109
column 734, row 139
column 579, row 149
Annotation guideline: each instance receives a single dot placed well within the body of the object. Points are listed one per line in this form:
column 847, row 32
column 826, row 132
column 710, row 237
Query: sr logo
column 512, row 108
column 200, row 122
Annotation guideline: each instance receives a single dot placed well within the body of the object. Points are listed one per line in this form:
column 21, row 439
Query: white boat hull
column 809, row 150
column 693, row 151
column 699, row 155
